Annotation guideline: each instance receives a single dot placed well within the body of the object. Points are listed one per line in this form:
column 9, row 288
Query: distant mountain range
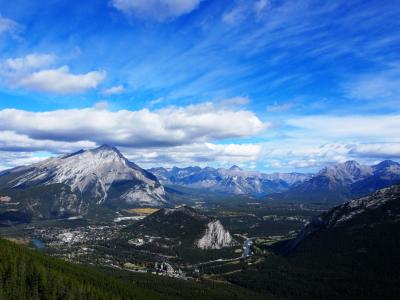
column 70, row 184
column 335, row 183
column 344, row 181
column 233, row 180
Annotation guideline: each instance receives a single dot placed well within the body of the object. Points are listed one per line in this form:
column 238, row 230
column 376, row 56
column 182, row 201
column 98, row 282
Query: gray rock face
column 215, row 237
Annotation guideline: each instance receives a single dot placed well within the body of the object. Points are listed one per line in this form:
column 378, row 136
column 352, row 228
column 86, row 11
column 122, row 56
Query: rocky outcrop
column 215, row 237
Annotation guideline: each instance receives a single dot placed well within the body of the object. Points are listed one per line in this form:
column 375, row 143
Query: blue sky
column 269, row 85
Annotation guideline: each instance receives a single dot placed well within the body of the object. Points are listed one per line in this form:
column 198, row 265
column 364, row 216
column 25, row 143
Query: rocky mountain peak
column 235, row 168
column 387, row 165
column 348, row 171
column 95, row 174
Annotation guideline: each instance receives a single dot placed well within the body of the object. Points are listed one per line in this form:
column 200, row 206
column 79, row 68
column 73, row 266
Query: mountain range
column 344, row 181
column 333, row 184
column 233, row 180
column 72, row 184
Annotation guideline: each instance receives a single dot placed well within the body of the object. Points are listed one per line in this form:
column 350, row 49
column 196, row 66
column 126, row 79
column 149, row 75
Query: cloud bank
column 136, row 129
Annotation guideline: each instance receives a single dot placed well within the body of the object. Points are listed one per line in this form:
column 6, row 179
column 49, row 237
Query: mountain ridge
column 343, row 181
column 233, row 180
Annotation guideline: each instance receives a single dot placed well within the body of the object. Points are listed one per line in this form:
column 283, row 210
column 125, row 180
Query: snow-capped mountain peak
column 93, row 173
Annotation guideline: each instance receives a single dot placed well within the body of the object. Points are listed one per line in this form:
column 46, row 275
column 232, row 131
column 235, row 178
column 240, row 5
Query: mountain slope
column 179, row 232
column 344, row 181
column 186, row 225
column 233, row 180
column 27, row 274
column 349, row 252
column 71, row 183
column 381, row 207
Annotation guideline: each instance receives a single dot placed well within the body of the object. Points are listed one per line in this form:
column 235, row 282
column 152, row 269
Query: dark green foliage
column 355, row 259
column 178, row 229
column 27, row 274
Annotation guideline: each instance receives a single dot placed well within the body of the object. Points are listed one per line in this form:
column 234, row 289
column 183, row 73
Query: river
column 38, row 244
column 246, row 247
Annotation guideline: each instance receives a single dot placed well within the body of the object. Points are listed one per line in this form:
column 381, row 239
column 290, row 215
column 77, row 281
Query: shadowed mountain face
column 349, row 252
column 70, row 184
column 344, row 181
column 233, row 180
column 360, row 215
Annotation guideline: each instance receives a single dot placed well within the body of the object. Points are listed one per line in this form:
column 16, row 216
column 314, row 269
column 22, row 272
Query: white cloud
column 159, row 10
column 12, row 141
column 314, row 141
column 142, row 128
column 32, row 72
column 197, row 153
column 61, row 81
column 118, row 89
column 9, row 26
column 376, row 150
column 29, row 62
column 12, row 159
column 381, row 127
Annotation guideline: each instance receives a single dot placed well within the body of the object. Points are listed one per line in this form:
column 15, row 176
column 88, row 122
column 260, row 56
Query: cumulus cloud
column 61, row 81
column 309, row 154
column 314, row 141
column 32, row 72
column 159, row 10
column 376, row 150
column 12, row 141
column 166, row 127
column 118, row 89
column 10, row 160
column 369, row 127
column 29, row 62
column 197, row 153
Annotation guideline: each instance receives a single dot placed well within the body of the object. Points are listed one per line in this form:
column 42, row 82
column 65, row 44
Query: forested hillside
column 28, row 274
